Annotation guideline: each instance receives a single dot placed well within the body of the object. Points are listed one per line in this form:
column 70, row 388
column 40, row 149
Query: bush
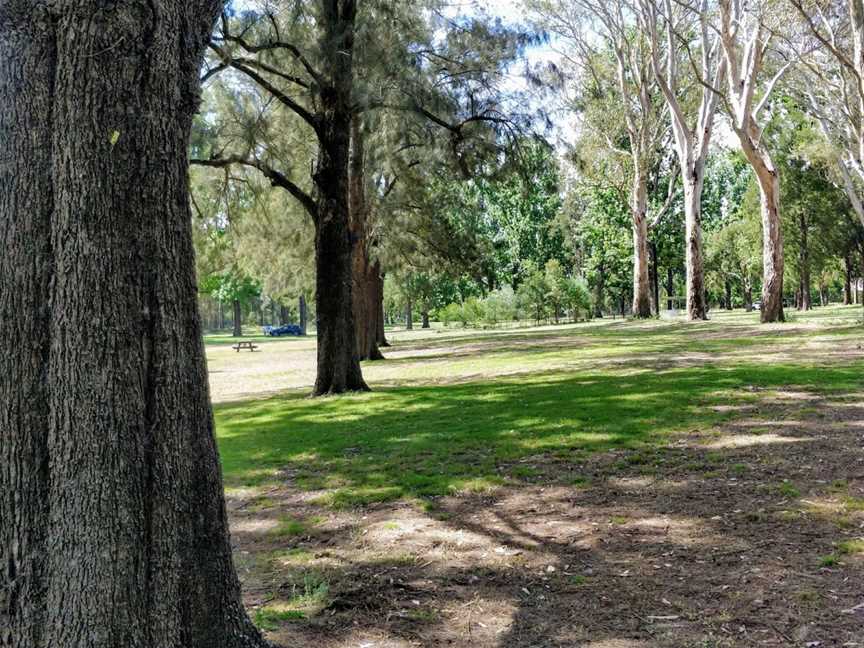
column 500, row 306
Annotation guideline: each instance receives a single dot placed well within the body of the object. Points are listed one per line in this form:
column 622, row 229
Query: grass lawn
column 553, row 460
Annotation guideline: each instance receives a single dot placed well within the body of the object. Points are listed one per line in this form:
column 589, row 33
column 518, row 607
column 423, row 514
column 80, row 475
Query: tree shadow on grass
column 436, row 440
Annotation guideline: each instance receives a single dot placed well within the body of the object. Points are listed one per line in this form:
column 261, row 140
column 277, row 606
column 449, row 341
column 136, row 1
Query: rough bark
column 364, row 271
column 238, row 318
column 696, row 306
column 641, row 279
column 338, row 361
column 772, row 248
column 114, row 531
column 27, row 60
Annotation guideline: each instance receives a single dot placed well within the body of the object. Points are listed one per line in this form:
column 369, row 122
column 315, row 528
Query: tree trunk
column 727, row 289
column 379, row 296
column 303, row 315
column 806, row 302
column 670, row 288
column 696, row 306
column 338, row 362
column 641, row 282
column 425, row 316
column 772, row 235
column 238, row 319
column 114, row 530
column 847, row 280
column 283, row 315
column 655, row 279
column 748, row 294
column 409, row 316
column 363, row 271
column 600, row 296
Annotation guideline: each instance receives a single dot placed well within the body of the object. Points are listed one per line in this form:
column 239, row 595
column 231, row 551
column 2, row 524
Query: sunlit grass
column 424, row 440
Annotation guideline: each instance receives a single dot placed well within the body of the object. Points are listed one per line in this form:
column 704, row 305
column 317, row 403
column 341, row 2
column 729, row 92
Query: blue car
column 283, row 331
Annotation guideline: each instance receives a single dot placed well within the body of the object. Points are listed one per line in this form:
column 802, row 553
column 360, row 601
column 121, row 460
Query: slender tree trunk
column 696, row 306
column 114, row 531
column 670, row 288
column 302, row 315
column 847, row 280
column 283, row 315
column 748, row 293
column 382, row 319
column 238, row 318
column 641, row 281
column 655, row 279
column 806, row 302
column 425, row 316
column 338, row 361
column 409, row 316
column 772, row 247
column 364, row 271
column 727, row 288
column 600, row 295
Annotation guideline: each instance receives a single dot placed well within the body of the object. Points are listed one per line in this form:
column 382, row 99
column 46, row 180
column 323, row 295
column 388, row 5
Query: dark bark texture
column 238, row 318
column 114, row 531
column 303, row 314
column 338, row 362
column 365, row 271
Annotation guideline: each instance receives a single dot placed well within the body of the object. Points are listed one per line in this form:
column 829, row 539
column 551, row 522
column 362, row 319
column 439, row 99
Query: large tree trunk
column 641, row 280
column 364, row 271
column 338, row 362
column 409, row 316
column 696, row 306
column 114, row 530
column 238, row 318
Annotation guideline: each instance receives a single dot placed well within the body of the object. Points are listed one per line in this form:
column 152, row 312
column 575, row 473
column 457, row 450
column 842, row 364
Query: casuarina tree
column 113, row 529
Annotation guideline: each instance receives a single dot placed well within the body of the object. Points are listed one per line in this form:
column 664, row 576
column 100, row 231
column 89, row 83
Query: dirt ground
column 732, row 536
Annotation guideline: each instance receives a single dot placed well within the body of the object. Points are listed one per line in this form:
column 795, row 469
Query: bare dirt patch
column 723, row 538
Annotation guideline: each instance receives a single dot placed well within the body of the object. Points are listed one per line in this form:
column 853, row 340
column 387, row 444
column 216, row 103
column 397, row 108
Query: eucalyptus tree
column 114, row 532
column 612, row 59
column 675, row 30
column 748, row 32
column 833, row 85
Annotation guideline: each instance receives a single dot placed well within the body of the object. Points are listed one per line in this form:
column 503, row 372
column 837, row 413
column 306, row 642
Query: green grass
column 423, row 440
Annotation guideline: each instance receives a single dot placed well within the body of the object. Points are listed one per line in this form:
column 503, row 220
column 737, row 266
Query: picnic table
column 245, row 344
